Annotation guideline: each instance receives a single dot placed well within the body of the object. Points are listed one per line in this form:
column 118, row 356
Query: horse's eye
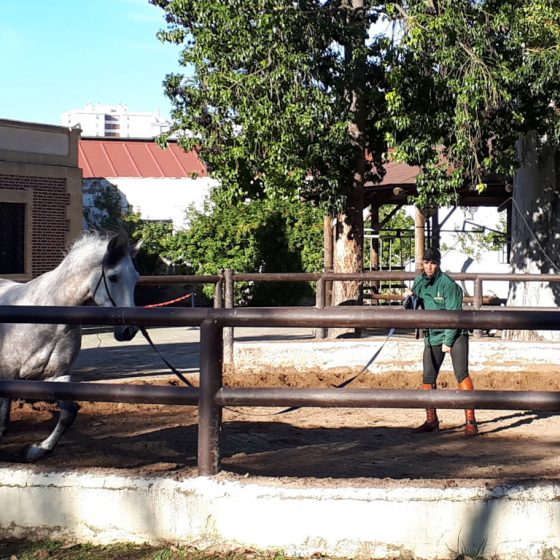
column 113, row 278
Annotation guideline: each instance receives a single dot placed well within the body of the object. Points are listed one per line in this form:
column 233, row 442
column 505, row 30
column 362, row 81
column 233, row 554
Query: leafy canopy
column 254, row 236
column 468, row 79
column 269, row 104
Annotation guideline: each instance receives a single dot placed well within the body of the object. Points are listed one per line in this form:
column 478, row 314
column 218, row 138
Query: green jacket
column 439, row 293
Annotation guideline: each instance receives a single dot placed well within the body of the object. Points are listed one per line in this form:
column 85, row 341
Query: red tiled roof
column 400, row 174
column 119, row 157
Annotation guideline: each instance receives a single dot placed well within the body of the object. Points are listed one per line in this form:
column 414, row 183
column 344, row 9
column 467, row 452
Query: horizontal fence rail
column 212, row 396
column 178, row 279
column 359, row 317
column 280, row 397
column 102, row 392
column 389, row 398
column 225, row 282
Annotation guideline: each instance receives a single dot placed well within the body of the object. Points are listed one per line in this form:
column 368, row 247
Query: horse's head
column 116, row 281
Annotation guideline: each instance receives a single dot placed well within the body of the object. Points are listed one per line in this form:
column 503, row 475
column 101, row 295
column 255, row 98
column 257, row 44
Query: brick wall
column 49, row 218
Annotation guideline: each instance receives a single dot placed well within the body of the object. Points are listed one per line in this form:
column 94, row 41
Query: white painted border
column 486, row 355
column 514, row 522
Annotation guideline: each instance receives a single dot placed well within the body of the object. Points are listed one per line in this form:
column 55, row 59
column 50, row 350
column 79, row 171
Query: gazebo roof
column 399, row 183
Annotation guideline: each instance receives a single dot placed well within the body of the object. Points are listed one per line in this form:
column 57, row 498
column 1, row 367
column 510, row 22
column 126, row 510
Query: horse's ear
column 117, row 249
column 136, row 247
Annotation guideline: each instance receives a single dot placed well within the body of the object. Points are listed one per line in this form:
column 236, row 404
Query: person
column 440, row 292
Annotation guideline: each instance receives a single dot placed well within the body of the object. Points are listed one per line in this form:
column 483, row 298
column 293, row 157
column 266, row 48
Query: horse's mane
column 87, row 251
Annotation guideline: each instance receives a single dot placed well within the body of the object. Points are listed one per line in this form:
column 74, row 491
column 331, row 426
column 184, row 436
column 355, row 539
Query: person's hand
column 445, row 348
column 407, row 292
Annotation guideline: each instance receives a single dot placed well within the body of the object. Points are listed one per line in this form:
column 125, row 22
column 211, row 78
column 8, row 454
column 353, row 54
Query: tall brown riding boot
column 471, row 428
column 432, row 423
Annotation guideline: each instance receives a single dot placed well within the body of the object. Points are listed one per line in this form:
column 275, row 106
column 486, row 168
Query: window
column 12, row 238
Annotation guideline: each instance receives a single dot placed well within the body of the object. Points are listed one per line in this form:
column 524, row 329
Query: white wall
column 157, row 198
column 404, row 519
column 455, row 259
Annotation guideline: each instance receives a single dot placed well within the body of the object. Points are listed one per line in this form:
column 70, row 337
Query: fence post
column 209, row 414
column 320, row 297
column 477, row 302
column 228, row 304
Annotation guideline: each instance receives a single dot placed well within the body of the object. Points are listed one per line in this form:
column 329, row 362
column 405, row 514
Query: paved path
column 102, row 357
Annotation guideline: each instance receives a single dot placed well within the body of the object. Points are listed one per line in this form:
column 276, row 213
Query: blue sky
column 61, row 54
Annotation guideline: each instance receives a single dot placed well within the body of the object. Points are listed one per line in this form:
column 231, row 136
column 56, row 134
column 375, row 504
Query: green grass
column 55, row 550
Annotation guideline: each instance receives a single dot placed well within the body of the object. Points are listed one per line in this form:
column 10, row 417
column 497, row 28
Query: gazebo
column 396, row 188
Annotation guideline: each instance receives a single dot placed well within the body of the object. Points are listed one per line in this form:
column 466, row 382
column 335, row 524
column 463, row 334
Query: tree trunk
column 349, row 259
column 349, row 237
column 535, row 233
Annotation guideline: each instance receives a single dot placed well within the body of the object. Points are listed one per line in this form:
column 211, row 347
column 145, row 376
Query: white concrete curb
column 398, row 355
column 508, row 522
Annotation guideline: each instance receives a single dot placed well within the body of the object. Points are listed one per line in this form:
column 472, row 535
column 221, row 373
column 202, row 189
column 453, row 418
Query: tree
column 284, row 103
column 253, row 236
column 288, row 98
column 475, row 90
column 469, row 79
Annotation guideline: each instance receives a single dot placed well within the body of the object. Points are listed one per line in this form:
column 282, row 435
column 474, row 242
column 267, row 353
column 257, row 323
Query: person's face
column 430, row 268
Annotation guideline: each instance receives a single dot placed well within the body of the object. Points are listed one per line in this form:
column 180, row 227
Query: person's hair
column 433, row 255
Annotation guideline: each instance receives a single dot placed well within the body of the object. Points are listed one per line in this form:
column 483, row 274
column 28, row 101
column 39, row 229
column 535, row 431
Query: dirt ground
column 308, row 446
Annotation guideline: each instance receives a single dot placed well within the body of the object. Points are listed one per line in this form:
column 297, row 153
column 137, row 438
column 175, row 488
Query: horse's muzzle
column 124, row 334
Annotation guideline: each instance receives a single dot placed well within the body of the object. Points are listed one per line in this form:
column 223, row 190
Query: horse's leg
column 5, row 405
column 68, row 413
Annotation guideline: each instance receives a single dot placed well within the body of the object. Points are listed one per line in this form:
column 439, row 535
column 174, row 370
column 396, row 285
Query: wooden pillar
column 209, row 413
column 229, row 304
column 374, row 253
column 419, row 238
column 328, row 256
column 328, row 243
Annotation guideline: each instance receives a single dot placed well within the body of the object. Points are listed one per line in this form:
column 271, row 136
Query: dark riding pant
column 434, row 355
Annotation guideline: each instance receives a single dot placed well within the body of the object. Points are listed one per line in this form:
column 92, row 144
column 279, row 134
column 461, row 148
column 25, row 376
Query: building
column 158, row 183
column 40, row 197
column 115, row 121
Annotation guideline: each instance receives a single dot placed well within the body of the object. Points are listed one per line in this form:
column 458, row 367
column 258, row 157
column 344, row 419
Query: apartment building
column 115, row 121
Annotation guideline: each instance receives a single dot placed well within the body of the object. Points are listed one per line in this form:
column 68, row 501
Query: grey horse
column 97, row 268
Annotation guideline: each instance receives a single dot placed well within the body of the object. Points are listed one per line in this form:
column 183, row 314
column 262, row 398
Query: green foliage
column 105, row 211
column 286, row 98
column 469, row 78
column 272, row 100
column 157, row 242
column 56, row 550
column 253, row 236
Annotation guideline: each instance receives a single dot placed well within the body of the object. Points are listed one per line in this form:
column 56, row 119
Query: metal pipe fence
column 212, row 396
column 225, row 288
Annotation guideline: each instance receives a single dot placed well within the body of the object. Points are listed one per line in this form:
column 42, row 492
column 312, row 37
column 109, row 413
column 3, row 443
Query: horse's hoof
column 34, row 452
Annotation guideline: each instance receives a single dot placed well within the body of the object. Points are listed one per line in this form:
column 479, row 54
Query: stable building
column 159, row 184
column 40, row 197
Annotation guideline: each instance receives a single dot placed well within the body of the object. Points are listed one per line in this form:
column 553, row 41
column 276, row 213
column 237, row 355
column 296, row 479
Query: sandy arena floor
column 309, row 446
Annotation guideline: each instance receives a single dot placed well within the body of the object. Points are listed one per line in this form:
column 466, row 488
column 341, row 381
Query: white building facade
column 160, row 184
column 115, row 121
